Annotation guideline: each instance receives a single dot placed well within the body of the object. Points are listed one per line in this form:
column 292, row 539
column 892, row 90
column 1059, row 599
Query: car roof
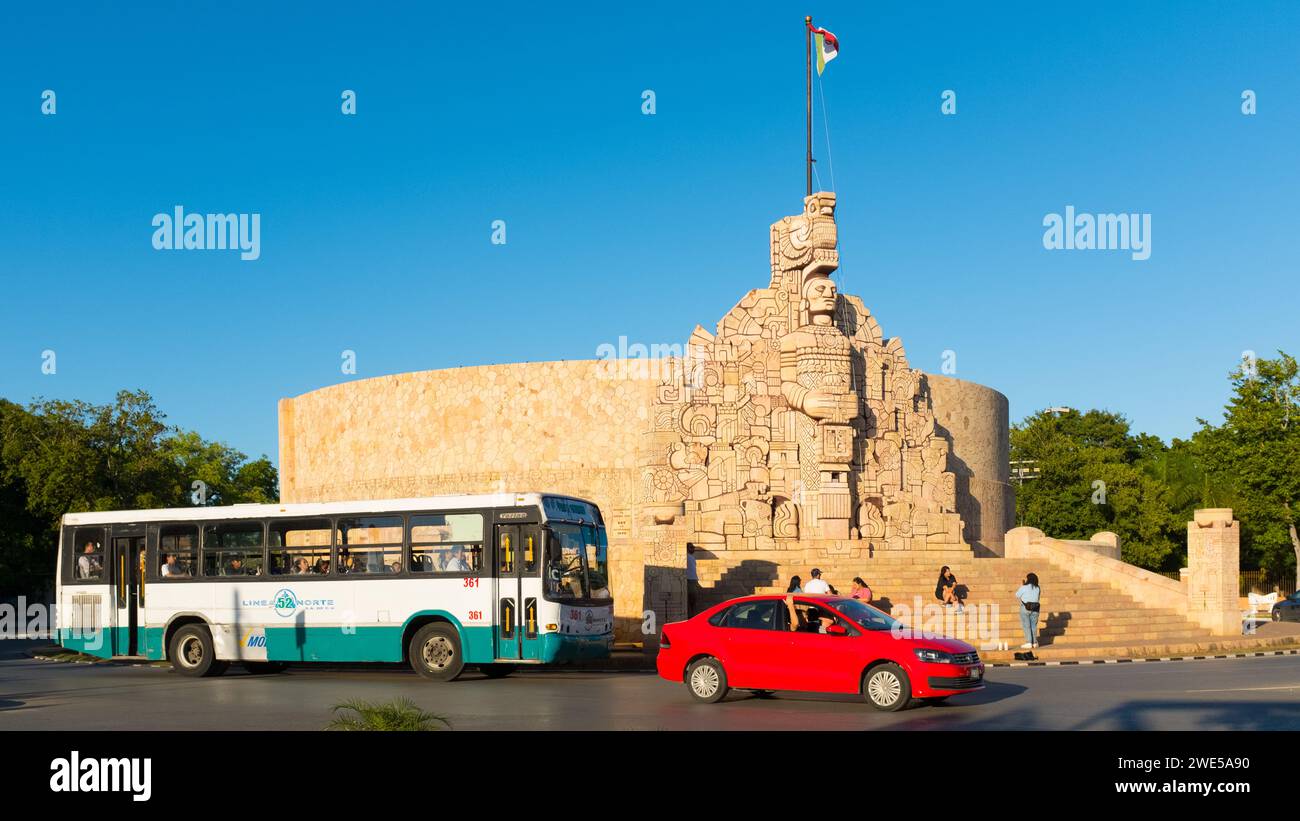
column 826, row 597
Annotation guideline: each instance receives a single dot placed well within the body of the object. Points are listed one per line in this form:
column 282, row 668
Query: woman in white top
column 1029, row 594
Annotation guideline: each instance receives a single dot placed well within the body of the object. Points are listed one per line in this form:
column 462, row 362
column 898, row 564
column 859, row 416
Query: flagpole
column 808, row 76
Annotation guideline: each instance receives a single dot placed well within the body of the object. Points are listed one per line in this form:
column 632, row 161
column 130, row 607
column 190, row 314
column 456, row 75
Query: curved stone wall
column 571, row 427
column 546, row 426
column 976, row 418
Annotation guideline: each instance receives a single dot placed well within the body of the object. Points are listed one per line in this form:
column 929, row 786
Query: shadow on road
column 992, row 693
column 1215, row 715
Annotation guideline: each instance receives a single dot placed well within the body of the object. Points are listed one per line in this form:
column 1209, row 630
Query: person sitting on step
column 946, row 589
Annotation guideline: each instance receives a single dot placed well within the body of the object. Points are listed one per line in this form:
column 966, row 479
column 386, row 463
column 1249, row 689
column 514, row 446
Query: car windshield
column 865, row 616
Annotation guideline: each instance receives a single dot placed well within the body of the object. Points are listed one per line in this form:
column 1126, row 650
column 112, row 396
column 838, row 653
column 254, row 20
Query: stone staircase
column 1079, row 619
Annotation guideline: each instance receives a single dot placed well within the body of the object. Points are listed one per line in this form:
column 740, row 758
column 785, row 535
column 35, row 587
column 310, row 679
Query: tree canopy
column 1095, row 474
column 59, row 456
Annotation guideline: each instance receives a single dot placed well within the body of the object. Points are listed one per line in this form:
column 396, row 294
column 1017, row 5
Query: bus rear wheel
column 435, row 652
column 496, row 670
column 191, row 652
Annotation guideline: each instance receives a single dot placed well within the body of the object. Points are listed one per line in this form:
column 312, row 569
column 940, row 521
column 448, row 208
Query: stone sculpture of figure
column 815, row 361
column 816, row 380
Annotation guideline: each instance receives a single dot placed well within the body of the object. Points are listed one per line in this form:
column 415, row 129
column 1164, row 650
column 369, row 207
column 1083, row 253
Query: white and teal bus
column 495, row 580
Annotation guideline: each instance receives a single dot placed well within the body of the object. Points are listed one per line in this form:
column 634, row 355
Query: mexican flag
column 827, row 47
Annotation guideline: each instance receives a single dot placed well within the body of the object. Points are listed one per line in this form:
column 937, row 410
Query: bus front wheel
column 191, row 652
column 435, row 652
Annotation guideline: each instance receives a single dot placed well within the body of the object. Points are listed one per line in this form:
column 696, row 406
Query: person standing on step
column 692, row 581
column 945, row 590
column 1030, row 594
column 816, row 584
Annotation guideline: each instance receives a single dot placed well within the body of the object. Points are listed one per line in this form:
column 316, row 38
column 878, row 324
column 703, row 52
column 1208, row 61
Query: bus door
column 127, row 558
column 518, row 556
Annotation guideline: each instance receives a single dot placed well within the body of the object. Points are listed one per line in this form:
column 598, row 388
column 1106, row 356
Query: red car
column 840, row 646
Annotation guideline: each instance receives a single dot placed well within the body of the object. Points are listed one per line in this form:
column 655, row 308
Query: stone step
column 930, row 575
column 1085, row 614
column 874, row 579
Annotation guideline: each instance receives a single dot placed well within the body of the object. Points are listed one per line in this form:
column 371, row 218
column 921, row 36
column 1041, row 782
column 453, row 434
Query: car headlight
column 933, row 656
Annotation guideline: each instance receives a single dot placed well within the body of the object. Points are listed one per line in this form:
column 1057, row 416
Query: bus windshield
column 577, row 562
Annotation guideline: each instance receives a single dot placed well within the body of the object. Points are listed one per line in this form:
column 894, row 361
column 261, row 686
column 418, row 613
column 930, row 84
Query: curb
column 1081, row 662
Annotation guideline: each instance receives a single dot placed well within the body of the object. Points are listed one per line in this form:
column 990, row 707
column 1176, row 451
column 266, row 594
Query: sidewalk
column 1269, row 638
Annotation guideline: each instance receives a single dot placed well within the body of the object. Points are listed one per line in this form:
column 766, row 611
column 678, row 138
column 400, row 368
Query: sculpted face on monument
column 820, row 293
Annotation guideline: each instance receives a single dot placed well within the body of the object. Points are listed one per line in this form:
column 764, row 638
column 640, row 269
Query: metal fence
column 1255, row 581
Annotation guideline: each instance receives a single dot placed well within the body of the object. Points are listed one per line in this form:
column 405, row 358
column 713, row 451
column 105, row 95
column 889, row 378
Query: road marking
column 1247, row 689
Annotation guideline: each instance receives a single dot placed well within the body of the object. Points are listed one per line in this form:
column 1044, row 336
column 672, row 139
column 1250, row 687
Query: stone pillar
column 1213, row 570
column 1105, row 544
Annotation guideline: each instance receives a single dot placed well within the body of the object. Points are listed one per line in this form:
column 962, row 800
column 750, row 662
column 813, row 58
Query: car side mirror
column 837, row 630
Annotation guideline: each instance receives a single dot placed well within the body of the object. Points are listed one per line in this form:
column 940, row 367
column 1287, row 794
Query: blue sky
column 376, row 228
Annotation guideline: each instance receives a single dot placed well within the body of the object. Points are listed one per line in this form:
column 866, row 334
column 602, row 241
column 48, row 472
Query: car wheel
column 435, row 652
column 707, row 681
column 1277, row 615
column 496, row 670
column 191, row 652
column 886, row 687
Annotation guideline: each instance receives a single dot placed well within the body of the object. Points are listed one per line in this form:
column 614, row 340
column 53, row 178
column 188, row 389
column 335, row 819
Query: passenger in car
column 815, row 621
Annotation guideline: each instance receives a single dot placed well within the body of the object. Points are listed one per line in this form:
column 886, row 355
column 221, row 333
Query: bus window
column 88, row 561
column 370, row 545
column 298, row 548
column 597, row 544
column 232, row 549
column 447, row 543
column 178, row 551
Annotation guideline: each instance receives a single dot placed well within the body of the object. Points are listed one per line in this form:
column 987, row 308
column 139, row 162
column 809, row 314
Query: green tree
column 58, row 456
column 1091, row 478
column 1256, row 451
column 227, row 476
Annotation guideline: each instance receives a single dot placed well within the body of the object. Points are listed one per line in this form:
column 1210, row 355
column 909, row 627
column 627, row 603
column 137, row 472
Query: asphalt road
column 1243, row 694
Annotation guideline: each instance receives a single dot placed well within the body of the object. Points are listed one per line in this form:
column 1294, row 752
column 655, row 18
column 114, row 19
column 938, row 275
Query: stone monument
column 794, row 426
column 797, row 421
